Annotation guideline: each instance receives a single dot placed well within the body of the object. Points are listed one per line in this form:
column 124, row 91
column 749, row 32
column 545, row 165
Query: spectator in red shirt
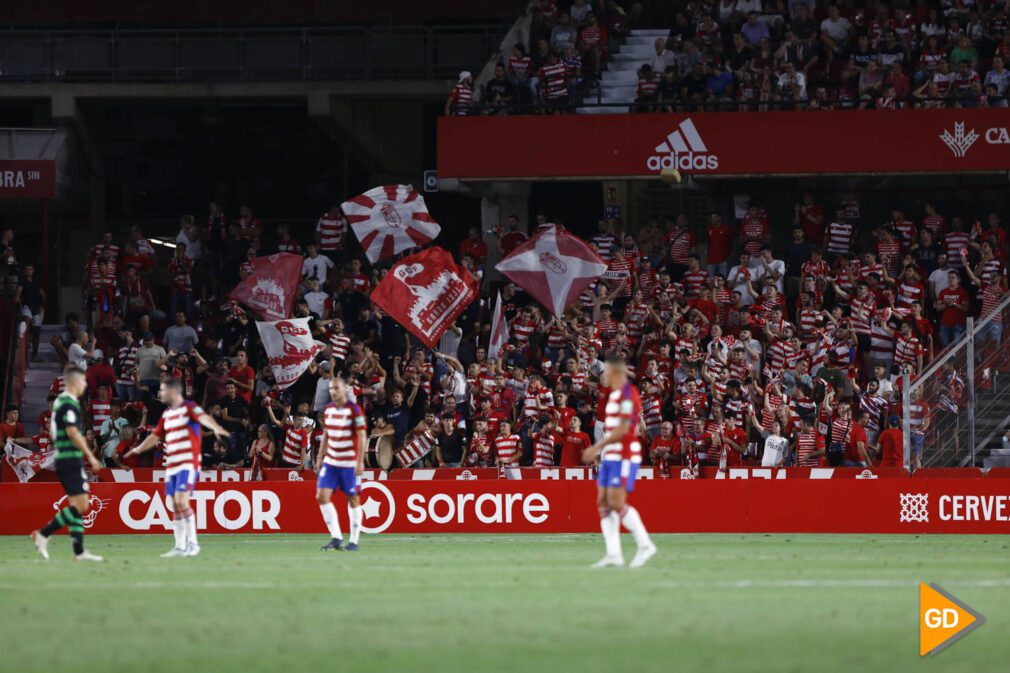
column 952, row 305
column 810, row 217
column 100, row 373
column 474, row 246
column 242, row 375
column 573, row 444
column 892, row 444
column 720, row 245
column 512, row 238
column 12, row 429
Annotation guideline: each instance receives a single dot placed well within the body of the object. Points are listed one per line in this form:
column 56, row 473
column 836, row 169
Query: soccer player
column 66, row 429
column 179, row 429
column 620, row 455
column 340, row 462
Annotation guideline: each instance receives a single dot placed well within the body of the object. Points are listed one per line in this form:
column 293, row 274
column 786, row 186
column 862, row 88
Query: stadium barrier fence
column 966, row 390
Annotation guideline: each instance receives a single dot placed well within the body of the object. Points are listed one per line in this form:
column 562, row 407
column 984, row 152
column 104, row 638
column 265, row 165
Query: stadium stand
column 754, row 55
column 807, row 340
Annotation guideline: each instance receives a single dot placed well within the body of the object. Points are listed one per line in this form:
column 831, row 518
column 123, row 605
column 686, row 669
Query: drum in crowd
column 380, row 452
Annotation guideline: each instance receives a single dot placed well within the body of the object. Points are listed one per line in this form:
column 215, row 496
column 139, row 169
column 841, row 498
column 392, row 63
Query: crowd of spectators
column 766, row 54
column 746, row 356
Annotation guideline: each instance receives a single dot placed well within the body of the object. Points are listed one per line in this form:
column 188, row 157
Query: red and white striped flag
column 416, row 449
column 499, row 331
column 388, row 220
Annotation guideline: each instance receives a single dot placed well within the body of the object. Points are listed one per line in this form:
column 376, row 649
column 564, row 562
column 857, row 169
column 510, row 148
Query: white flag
column 290, row 348
column 27, row 463
column 499, row 331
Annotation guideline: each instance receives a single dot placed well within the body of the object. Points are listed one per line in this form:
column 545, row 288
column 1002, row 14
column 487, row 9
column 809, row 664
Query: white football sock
column 633, row 522
column 189, row 526
column 332, row 522
column 610, row 525
column 356, row 516
column 180, row 533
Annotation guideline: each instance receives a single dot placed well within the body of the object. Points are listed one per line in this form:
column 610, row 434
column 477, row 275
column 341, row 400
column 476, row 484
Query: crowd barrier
column 753, row 505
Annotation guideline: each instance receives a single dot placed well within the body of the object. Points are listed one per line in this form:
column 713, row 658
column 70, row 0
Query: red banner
column 27, row 179
column 641, row 145
column 506, row 506
column 271, row 288
column 425, row 293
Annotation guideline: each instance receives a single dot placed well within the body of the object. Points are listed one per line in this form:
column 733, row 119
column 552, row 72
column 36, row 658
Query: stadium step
column 41, row 371
column 615, row 110
column 650, row 32
column 648, row 40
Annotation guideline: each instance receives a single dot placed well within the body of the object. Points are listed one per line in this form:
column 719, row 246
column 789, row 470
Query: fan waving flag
column 290, row 348
column 271, row 287
column 499, row 331
column 388, row 220
column 554, row 267
column 425, row 292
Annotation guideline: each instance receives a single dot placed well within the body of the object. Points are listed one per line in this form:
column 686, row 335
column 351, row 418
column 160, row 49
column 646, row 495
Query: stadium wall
column 722, row 144
column 547, row 506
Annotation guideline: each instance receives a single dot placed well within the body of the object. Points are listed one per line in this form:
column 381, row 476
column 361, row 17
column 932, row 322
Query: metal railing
column 282, row 54
column 966, row 391
column 583, row 100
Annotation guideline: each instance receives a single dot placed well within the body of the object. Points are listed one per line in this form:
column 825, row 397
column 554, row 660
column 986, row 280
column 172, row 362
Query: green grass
column 709, row 603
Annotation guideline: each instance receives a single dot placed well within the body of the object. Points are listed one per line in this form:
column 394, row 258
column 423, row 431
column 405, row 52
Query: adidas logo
column 684, row 150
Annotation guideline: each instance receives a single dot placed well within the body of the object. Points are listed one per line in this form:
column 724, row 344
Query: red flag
column 425, row 292
column 271, row 288
column 388, row 220
column 555, row 267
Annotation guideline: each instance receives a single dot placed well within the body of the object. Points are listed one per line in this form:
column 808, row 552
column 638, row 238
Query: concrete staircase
column 42, row 369
column 619, row 81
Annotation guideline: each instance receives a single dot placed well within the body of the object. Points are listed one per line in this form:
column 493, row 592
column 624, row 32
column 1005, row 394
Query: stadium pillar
column 67, row 111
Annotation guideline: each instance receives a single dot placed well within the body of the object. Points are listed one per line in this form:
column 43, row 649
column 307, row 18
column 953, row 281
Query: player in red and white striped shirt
column 340, row 462
column 180, row 429
column 620, row 454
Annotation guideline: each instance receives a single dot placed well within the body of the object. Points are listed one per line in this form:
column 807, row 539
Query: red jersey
column 623, row 406
column 180, row 430
column 572, row 447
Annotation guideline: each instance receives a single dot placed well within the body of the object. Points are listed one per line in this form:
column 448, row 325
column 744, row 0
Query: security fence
column 959, row 408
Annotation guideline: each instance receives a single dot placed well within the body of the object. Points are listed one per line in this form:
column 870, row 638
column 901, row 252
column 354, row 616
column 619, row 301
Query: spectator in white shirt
column 835, row 29
column 81, row 350
column 999, row 76
column 315, row 298
column 315, row 265
column 663, row 56
column 776, row 447
column 189, row 237
column 741, row 278
column 769, row 267
column 939, row 280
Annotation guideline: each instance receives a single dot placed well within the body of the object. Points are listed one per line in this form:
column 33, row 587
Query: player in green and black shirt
column 66, row 430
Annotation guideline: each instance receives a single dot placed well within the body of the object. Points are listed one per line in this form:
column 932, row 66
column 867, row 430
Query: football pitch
column 498, row 603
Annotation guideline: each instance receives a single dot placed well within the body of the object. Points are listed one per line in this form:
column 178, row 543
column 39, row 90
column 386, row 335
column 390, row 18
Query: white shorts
column 36, row 318
column 599, row 430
